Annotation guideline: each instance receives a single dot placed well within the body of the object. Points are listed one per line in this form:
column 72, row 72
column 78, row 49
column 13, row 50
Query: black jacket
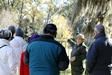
column 79, row 51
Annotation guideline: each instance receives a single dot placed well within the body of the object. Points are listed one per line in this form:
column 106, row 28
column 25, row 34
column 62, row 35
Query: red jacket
column 24, row 69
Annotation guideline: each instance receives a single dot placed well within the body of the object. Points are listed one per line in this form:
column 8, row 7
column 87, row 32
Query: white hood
column 4, row 42
column 7, row 58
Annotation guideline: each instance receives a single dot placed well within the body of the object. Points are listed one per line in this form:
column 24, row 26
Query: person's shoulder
column 57, row 43
column 8, row 49
column 84, row 45
column 13, row 40
column 101, row 39
column 98, row 41
column 53, row 41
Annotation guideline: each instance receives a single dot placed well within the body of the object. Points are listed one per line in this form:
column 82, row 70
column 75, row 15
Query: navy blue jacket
column 46, row 56
column 99, row 56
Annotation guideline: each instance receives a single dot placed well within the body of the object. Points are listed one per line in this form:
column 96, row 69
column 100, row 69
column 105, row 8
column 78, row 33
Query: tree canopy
column 70, row 16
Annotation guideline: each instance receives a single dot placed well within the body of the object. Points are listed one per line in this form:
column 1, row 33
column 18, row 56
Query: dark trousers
column 100, row 73
column 76, row 71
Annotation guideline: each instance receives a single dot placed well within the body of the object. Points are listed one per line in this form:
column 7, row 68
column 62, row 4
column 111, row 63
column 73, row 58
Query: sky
column 60, row 2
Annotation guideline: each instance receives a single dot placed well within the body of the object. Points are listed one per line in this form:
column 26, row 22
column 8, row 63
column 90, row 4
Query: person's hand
column 72, row 59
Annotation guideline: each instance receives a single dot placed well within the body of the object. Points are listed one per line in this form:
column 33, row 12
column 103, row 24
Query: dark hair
column 12, row 29
column 19, row 32
column 51, row 29
column 5, row 34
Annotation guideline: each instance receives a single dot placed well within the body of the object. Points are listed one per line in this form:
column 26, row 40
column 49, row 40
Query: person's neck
column 100, row 35
column 49, row 35
column 78, row 44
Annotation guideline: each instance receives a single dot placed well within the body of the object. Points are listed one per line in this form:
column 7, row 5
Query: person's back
column 24, row 68
column 104, row 49
column 7, row 59
column 19, row 45
column 100, row 53
column 5, row 52
column 46, row 56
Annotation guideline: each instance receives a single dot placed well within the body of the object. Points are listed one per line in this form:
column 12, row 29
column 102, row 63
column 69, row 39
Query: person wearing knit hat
column 100, row 53
column 7, row 59
column 19, row 32
column 19, row 45
column 5, row 34
column 99, row 30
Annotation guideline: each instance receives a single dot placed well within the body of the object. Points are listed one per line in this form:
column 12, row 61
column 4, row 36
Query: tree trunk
column 21, row 12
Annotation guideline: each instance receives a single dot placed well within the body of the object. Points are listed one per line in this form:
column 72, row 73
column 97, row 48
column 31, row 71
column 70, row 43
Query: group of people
column 98, row 56
column 43, row 55
column 12, row 44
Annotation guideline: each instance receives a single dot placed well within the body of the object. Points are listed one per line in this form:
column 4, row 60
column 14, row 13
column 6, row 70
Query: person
column 100, row 53
column 24, row 68
column 33, row 36
column 78, row 54
column 7, row 60
column 45, row 55
column 19, row 45
column 12, row 29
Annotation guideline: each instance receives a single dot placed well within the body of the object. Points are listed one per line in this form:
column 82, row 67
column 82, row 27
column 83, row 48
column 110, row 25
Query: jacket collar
column 80, row 44
column 100, row 35
column 47, row 37
column 18, row 37
column 4, row 42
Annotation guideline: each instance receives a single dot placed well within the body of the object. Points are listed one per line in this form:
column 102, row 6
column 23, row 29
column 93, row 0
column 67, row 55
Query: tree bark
column 21, row 12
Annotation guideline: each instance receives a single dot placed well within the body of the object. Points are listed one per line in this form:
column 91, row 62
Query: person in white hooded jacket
column 7, row 60
column 19, row 45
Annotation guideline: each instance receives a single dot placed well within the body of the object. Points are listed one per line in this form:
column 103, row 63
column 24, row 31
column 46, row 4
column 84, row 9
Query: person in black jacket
column 100, row 53
column 78, row 54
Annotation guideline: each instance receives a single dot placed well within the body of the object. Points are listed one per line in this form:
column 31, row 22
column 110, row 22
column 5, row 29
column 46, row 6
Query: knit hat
column 19, row 32
column 5, row 34
column 100, row 28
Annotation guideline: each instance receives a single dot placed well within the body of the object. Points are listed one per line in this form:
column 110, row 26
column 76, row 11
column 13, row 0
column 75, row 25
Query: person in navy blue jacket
column 100, row 53
column 45, row 55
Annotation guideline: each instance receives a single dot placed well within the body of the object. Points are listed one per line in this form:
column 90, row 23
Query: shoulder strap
column 3, row 46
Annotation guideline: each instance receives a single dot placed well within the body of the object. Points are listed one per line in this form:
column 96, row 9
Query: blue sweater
column 46, row 56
